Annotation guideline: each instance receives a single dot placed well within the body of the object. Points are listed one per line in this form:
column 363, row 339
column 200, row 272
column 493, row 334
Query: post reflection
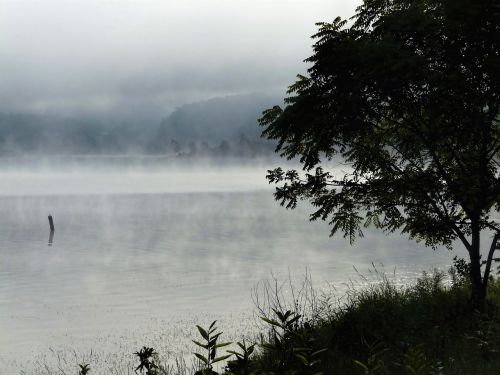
column 51, row 237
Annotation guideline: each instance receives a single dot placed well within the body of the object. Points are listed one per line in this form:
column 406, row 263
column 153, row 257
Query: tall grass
column 427, row 328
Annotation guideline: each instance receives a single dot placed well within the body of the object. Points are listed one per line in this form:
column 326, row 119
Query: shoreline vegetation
column 429, row 327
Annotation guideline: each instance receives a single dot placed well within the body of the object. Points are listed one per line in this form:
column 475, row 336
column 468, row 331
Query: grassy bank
column 427, row 328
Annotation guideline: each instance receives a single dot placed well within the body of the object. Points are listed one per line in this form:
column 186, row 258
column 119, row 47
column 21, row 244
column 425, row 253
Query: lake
column 143, row 251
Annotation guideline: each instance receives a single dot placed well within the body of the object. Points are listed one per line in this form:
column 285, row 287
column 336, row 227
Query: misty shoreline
column 218, row 127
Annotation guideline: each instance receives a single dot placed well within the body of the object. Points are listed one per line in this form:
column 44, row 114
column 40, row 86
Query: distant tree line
column 241, row 148
column 215, row 128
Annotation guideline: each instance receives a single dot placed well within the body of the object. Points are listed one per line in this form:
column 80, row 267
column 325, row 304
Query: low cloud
column 150, row 56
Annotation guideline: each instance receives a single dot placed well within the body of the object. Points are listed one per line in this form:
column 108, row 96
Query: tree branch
column 493, row 247
column 437, row 210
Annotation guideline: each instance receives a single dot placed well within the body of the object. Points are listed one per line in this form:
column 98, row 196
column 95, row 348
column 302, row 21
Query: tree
column 407, row 94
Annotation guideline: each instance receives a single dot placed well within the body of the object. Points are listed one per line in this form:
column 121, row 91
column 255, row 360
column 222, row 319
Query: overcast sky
column 131, row 57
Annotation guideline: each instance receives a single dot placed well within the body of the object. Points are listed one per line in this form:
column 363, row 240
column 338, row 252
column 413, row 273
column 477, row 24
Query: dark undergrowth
column 423, row 329
column 426, row 328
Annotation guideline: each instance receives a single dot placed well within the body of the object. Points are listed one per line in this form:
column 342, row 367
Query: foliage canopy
column 407, row 94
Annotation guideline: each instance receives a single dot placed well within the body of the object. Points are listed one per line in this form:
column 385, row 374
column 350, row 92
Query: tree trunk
column 478, row 287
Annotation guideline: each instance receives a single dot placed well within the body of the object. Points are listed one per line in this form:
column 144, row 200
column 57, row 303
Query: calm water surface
column 141, row 255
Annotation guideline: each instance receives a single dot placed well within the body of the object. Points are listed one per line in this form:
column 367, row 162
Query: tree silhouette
column 408, row 96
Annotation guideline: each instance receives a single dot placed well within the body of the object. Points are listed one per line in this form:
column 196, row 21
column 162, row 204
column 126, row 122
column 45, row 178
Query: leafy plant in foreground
column 242, row 362
column 485, row 338
column 416, row 362
column 146, row 361
column 84, row 369
column 306, row 350
column 210, row 336
column 374, row 365
column 309, row 359
column 283, row 330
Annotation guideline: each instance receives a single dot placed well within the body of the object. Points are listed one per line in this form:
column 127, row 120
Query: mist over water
column 144, row 250
column 128, row 175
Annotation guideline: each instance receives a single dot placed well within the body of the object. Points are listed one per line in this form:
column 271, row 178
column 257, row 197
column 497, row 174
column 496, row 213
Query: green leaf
column 318, row 352
column 203, row 332
column 272, row 322
column 214, row 338
column 279, row 314
column 291, row 321
column 233, row 352
column 268, row 346
column 302, row 359
column 202, row 358
column 361, row 364
column 221, row 358
column 222, row 344
column 200, row 344
column 301, row 350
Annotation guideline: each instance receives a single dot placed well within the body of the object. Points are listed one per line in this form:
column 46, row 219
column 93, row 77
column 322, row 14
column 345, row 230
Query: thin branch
column 493, row 247
column 437, row 210
column 492, row 226
column 494, row 150
column 407, row 125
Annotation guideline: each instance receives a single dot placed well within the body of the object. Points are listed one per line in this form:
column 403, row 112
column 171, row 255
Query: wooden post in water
column 51, row 223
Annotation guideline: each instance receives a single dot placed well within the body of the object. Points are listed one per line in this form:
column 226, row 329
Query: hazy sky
column 149, row 56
